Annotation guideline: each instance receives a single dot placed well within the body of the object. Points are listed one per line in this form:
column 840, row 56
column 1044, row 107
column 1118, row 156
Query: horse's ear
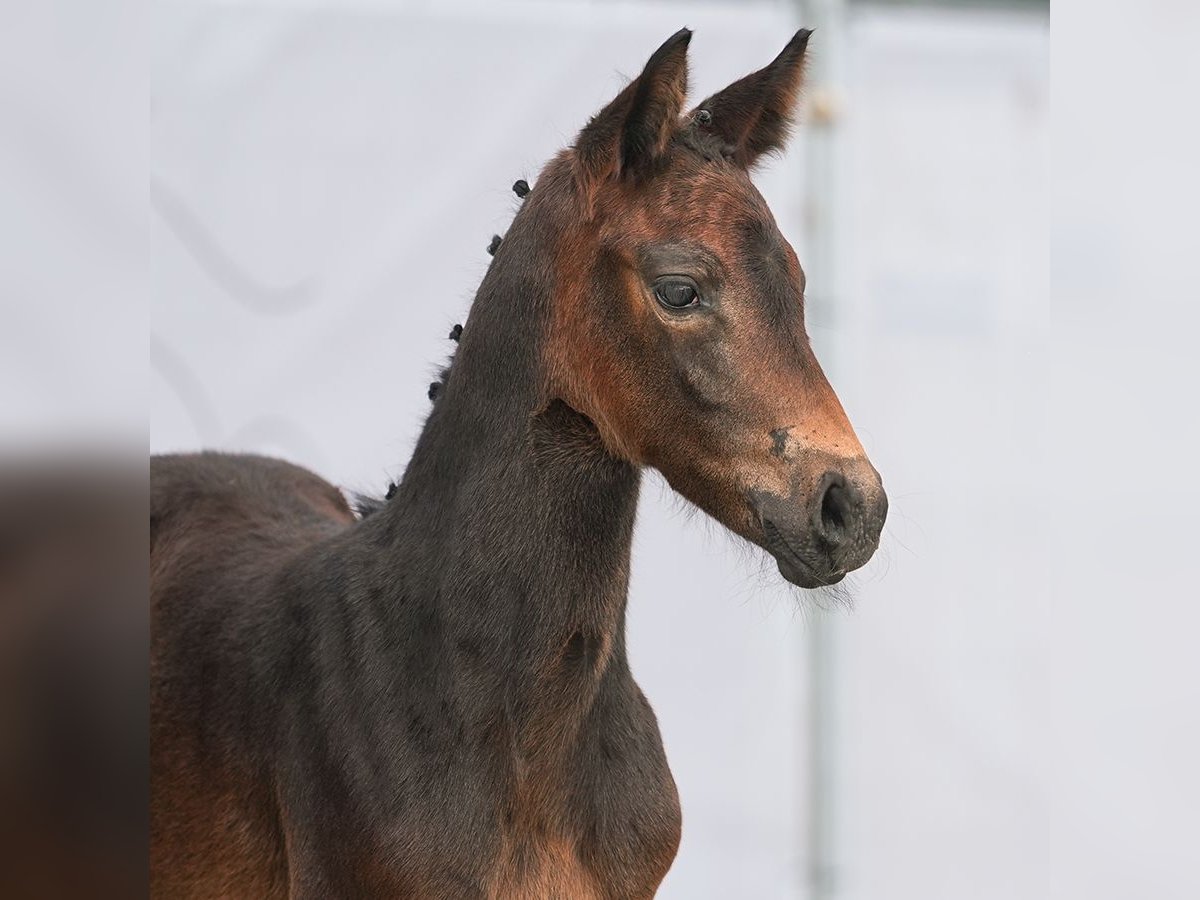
column 634, row 129
column 753, row 116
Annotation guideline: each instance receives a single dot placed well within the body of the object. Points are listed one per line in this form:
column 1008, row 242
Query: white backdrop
column 312, row 248
column 945, row 255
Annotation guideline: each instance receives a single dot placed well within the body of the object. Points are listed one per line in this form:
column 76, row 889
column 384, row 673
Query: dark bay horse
column 433, row 700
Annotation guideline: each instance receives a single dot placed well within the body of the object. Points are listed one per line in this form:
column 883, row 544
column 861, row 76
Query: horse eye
column 676, row 294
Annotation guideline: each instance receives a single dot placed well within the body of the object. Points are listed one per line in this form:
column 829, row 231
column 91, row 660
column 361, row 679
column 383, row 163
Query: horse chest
column 600, row 821
column 532, row 867
column 611, row 830
column 583, row 857
column 565, row 850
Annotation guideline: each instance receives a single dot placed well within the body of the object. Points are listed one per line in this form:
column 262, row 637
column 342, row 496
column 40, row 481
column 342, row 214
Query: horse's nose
column 825, row 526
column 848, row 511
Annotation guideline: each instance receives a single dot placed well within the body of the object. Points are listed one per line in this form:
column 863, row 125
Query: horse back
column 221, row 529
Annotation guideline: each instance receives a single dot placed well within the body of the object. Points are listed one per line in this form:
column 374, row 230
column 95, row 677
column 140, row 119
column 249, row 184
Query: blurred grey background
column 325, row 177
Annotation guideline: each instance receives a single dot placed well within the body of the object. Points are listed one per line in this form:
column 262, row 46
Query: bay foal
column 433, row 700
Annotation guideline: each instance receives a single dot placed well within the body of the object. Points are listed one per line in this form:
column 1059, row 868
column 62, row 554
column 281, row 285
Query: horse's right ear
column 753, row 116
column 634, row 129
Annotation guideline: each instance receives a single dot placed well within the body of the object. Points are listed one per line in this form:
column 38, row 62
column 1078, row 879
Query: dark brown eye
column 676, row 294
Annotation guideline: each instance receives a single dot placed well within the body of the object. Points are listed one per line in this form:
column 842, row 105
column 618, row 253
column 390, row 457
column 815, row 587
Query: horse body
column 434, row 700
column 328, row 720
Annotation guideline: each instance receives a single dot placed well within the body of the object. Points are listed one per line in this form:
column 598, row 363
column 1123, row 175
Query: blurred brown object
column 73, row 677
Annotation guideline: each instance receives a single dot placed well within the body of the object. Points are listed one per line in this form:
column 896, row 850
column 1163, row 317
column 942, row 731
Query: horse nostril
column 836, row 512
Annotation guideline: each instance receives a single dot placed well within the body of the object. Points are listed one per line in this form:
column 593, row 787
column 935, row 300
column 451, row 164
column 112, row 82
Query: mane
column 366, row 504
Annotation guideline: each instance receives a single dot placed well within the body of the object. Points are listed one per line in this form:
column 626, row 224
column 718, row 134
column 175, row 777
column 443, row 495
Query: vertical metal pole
column 820, row 130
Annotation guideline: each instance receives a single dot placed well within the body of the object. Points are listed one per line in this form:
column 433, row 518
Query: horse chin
column 799, row 574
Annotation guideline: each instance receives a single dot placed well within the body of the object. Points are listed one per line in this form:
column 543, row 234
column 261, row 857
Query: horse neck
column 510, row 514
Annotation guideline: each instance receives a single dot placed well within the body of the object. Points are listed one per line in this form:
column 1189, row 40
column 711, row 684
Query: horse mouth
column 792, row 565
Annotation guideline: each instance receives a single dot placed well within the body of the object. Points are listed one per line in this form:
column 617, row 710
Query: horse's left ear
column 635, row 128
column 753, row 116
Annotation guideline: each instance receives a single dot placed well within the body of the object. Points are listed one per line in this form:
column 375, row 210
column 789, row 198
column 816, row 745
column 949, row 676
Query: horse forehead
column 715, row 198
column 713, row 204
